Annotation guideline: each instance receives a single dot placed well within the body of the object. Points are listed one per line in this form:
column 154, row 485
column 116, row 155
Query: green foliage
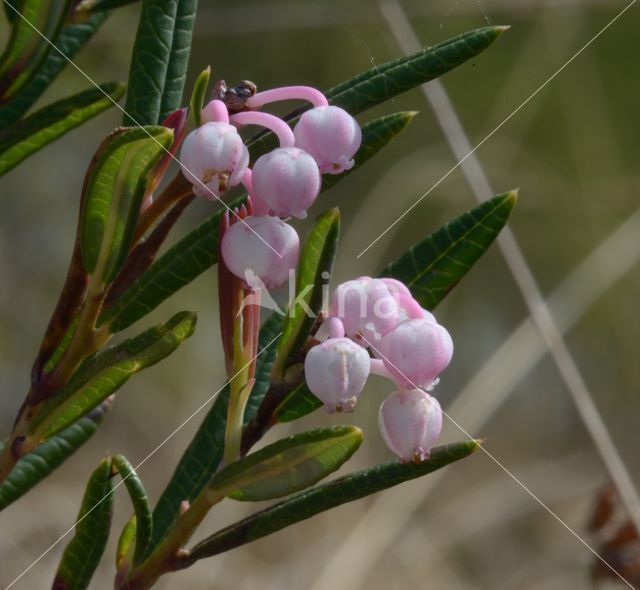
column 198, row 250
column 51, row 122
column 83, row 553
column 289, row 465
column 323, row 497
column 198, row 95
column 115, row 185
column 436, row 264
column 28, row 47
column 314, row 270
column 159, row 60
column 385, row 81
column 34, row 467
column 104, row 373
column 70, row 40
column 298, row 403
column 140, row 501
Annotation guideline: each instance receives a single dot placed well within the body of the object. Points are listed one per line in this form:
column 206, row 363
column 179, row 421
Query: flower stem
column 275, row 124
column 315, row 97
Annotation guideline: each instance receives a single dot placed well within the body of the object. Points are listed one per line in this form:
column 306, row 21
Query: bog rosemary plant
column 280, row 365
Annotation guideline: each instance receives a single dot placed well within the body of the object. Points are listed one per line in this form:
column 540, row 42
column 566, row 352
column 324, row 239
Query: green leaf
column 53, row 121
column 436, row 264
column 298, row 403
column 126, row 539
column 159, row 60
column 385, row 81
column 34, row 467
column 140, row 501
column 28, row 47
column 198, row 251
column 114, row 188
column 179, row 57
column 323, row 497
column 314, row 270
column 104, row 373
column 375, row 135
column 71, row 39
column 197, row 95
column 87, row 7
column 83, row 553
column 203, row 455
column 289, row 465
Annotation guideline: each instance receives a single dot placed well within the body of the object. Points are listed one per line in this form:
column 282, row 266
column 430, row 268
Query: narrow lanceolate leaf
column 28, row 47
column 141, row 507
column 197, row 95
column 53, row 121
column 69, row 41
column 289, row 465
column 375, row 135
column 314, row 271
column 159, row 60
column 87, row 7
column 436, row 264
column 113, row 191
column 198, row 251
column 83, row 553
column 384, row 82
column 34, row 467
column 203, row 455
column 104, row 373
column 323, row 497
column 298, row 403
column 125, row 541
column 179, row 57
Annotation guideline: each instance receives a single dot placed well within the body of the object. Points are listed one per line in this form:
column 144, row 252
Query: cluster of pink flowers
column 282, row 183
column 376, row 326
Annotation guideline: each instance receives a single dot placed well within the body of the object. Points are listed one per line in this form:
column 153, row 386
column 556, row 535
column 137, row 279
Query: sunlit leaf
column 289, row 465
column 53, row 121
column 323, row 497
column 83, row 553
column 104, row 373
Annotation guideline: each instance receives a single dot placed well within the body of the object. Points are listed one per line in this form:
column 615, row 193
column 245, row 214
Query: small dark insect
column 234, row 98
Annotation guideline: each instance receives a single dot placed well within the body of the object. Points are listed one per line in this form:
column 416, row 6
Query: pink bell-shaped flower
column 336, row 372
column 416, row 351
column 214, row 155
column 267, row 246
column 331, row 135
column 410, row 422
column 367, row 308
column 287, row 181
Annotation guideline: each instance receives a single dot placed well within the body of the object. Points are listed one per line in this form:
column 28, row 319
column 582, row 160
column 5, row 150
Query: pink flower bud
column 367, row 309
column 410, row 309
column 410, row 422
column 287, row 181
column 214, row 155
column 416, row 352
column 265, row 245
column 336, row 372
column 331, row 135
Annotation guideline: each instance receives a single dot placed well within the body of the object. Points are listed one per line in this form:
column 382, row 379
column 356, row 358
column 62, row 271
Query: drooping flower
column 331, row 135
column 416, row 352
column 265, row 245
column 410, row 422
column 213, row 158
column 367, row 308
column 336, row 372
column 287, row 181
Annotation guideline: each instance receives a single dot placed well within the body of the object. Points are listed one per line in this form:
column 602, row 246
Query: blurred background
column 572, row 150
